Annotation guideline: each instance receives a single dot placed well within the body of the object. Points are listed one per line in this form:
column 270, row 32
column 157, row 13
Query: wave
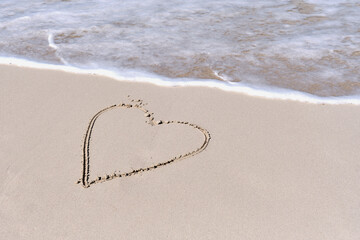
column 236, row 87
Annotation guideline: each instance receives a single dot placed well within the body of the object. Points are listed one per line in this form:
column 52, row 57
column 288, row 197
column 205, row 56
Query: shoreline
column 234, row 87
column 273, row 169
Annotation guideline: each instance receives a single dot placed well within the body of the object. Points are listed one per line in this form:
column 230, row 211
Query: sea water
column 298, row 49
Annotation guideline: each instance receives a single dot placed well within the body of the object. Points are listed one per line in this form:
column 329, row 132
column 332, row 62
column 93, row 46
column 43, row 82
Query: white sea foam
column 141, row 77
column 51, row 41
column 305, row 45
column 53, row 46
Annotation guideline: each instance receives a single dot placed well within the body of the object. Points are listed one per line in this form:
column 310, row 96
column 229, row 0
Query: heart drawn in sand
column 139, row 105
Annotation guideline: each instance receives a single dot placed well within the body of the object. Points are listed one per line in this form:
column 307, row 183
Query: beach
column 269, row 169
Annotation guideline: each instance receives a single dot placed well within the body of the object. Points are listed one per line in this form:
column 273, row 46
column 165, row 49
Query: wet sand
column 266, row 169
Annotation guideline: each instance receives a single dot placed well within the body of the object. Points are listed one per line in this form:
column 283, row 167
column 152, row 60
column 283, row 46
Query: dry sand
column 272, row 169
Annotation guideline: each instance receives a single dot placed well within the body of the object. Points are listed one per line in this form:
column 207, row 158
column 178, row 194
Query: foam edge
column 236, row 87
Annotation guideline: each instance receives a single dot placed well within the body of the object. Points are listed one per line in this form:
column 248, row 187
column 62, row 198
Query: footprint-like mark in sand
column 135, row 104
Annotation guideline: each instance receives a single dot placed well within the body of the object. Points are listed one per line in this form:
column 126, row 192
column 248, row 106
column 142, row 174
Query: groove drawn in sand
column 137, row 104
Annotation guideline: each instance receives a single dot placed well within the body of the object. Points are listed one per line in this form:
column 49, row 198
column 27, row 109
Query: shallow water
column 311, row 46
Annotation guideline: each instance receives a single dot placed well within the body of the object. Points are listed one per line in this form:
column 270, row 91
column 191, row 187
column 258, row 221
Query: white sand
column 272, row 170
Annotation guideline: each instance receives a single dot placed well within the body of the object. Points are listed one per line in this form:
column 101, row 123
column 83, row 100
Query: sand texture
column 88, row 157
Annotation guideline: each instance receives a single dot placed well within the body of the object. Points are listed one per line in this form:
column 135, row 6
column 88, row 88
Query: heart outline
column 138, row 104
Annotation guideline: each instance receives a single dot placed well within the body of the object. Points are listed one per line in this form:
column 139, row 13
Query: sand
column 250, row 168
